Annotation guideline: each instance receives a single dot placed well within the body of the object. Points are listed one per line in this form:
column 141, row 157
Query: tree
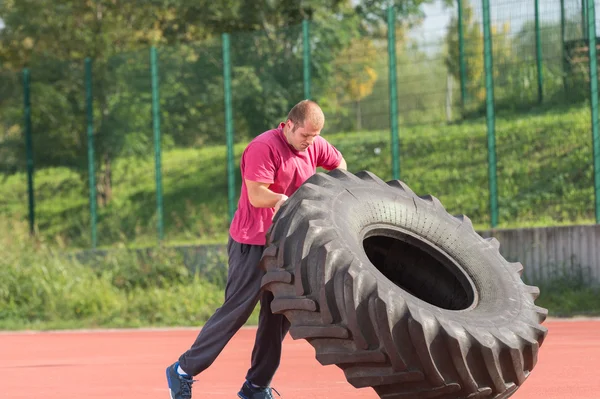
column 502, row 53
column 473, row 44
column 355, row 75
column 52, row 38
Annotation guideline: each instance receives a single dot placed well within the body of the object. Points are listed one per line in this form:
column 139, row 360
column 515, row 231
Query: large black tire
column 404, row 297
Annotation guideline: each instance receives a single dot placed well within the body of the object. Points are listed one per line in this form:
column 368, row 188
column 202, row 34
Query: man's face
column 303, row 136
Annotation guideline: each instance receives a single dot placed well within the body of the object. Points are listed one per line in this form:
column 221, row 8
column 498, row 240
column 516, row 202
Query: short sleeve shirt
column 269, row 158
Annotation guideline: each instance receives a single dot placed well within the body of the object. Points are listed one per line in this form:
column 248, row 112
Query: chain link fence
column 492, row 106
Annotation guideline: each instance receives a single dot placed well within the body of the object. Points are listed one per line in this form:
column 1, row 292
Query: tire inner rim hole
column 419, row 269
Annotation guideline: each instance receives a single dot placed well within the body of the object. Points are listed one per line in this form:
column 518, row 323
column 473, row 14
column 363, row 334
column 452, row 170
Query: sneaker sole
column 169, row 382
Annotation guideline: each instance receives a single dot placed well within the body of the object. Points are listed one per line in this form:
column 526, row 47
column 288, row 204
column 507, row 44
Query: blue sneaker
column 250, row 392
column 180, row 387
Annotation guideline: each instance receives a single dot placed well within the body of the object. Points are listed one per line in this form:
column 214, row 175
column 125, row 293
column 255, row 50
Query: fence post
column 591, row 29
column 538, row 47
column 228, row 125
column 461, row 55
column 490, row 115
column 391, row 20
column 562, row 44
column 306, row 57
column 90, row 148
column 29, row 147
column 157, row 149
column 584, row 19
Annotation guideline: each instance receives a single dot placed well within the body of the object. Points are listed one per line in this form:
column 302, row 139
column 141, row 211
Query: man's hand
column 279, row 203
column 261, row 197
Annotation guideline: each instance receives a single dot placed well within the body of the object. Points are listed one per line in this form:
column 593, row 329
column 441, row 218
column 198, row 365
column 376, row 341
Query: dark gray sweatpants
column 242, row 293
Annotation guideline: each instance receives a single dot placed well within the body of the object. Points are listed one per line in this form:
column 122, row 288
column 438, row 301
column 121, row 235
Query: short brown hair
column 307, row 110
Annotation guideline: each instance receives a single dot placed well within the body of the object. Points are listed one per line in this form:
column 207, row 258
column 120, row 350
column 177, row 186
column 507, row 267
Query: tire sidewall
column 498, row 294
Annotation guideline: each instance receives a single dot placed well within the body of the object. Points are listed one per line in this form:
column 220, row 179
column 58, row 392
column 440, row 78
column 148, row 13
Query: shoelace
column 186, row 387
column 270, row 389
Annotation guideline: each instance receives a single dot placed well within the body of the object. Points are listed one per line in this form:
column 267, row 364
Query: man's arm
column 328, row 156
column 342, row 164
column 261, row 197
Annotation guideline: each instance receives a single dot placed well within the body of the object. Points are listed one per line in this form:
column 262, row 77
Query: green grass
column 567, row 296
column 42, row 289
column 545, row 173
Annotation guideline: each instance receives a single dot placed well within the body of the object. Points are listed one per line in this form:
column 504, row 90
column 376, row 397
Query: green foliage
column 350, row 81
column 12, row 146
column 473, row 54
column 349, row 73
column 43, row 288
column 567, row 294
column 117, row 37
column 553, row 187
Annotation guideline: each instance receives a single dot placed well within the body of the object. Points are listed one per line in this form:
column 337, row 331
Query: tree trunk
column 449, row 97
column 105, row 184
column 358, row 116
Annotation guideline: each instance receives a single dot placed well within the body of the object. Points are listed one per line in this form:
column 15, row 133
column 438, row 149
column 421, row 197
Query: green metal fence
column 490, row 105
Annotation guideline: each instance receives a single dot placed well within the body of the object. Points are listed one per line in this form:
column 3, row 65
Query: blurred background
column 122, row 124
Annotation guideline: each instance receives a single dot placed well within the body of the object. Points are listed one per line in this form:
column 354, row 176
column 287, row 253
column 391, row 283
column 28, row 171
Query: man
column 273, row 166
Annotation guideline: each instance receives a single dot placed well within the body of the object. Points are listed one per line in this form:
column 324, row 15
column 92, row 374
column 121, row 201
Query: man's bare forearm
column 342, row 164
column 261, row 196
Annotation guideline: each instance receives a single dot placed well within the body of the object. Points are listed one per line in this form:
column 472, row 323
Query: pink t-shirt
column 270, row 159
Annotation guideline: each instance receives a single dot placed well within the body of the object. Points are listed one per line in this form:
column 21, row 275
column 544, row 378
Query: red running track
column 131, row 364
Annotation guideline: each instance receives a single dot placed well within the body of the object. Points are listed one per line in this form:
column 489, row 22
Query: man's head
column 303, row 124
